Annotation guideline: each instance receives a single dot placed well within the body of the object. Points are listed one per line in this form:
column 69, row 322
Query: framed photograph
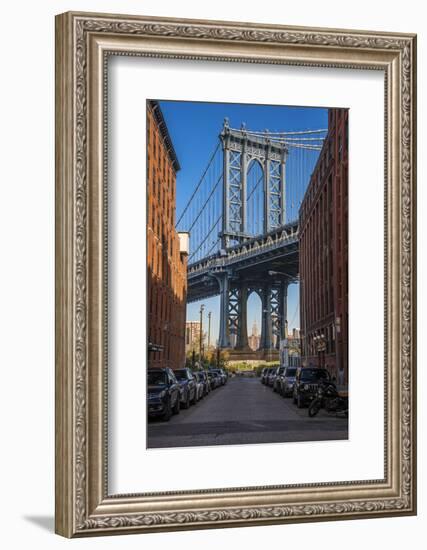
column 235, row 274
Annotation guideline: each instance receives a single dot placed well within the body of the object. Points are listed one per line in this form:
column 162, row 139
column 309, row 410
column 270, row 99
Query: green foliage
column 257, row 368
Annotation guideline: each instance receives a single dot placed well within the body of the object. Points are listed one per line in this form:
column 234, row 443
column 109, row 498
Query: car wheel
column 300, row 403
column 168, row 411
column 177, row 406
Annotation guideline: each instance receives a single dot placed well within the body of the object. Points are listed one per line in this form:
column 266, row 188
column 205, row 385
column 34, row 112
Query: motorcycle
column 328, row 398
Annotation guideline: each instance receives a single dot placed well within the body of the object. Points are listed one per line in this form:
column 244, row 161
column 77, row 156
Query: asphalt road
column 244, row 411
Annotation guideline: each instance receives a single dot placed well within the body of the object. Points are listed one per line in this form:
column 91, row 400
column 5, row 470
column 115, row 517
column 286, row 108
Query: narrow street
column 244, row 411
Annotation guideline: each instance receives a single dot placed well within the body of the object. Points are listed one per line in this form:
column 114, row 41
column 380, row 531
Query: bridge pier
column 282, row 331
column 266, row 320
column 224, row 329
column 274, row 321
column 242, row 271
column 242, row 324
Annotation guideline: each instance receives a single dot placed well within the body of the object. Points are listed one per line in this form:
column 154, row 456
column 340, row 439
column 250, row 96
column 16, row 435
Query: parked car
column 188, row 387
column 307, row 380
column 287, row 381
column 271, row 375
column 214, row 379
column 200, row 387
column 264, row 374
column 220, row 374
column 163, row 393
column 205, row 380
column 276, row 380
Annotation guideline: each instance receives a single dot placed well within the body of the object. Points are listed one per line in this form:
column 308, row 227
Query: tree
column 195, row 346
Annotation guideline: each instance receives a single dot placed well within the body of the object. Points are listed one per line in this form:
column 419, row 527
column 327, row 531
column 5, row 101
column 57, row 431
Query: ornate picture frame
column 83, row 43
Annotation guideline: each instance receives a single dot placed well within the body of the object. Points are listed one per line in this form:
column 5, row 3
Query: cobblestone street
column 244, row 411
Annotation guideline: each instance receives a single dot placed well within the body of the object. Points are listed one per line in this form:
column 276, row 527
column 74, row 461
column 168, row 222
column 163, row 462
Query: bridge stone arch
column 239, row 150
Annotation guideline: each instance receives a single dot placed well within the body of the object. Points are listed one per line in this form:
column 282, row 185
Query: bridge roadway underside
column 235, row 275
column 207, row 285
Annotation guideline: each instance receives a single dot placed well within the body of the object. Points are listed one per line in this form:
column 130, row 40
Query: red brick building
column 323, row 250
column 166, row 259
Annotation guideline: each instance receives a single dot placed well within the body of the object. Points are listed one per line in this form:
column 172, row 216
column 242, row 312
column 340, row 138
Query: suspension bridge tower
column 241, row 150
column 243, row 241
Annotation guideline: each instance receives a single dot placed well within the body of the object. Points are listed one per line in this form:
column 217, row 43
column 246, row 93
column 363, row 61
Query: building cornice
column 158, row 115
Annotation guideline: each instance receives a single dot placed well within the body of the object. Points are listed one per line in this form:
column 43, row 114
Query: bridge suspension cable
column 202, row 215
column 291, row 322
column 289, row 139
column 200, row 183
column 267, row 133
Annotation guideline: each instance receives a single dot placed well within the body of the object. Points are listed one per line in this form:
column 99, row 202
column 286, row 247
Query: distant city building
column 192, row 336
column 323, row 249
column 167, row 249
column 295, row 334
column 294, row 342
column 254, row 338
column 289, row 352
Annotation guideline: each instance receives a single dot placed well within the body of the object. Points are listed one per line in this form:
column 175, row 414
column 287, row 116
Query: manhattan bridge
column 242, row 217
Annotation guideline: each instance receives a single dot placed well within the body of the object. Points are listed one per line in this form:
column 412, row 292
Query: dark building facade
column 166, row 250
column 323, row 253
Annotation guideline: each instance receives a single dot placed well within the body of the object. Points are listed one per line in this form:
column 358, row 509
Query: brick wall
column 324, row 253
column 166, row 266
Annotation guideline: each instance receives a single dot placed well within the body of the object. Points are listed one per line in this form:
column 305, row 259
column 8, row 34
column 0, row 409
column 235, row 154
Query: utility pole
column 209, row 330
column 202, row 307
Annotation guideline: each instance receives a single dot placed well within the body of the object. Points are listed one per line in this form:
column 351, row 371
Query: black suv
column 307, row 380
column 188, row 387
column 163, row 393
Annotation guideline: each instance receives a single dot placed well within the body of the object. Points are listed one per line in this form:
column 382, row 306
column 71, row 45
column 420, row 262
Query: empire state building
column 254, row 338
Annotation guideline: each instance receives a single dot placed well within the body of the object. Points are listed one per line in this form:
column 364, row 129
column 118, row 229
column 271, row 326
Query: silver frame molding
column 83, row 43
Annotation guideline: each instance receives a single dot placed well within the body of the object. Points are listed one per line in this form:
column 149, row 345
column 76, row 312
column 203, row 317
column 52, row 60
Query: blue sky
column 194, row 129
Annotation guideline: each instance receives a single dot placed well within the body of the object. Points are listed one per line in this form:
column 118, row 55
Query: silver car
column 287, row 381
column 200, row 386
